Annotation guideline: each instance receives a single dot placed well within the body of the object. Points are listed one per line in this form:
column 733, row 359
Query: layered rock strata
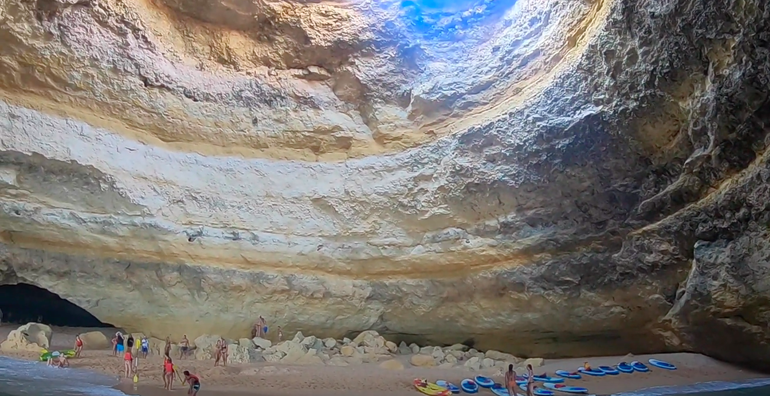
column 543, row 178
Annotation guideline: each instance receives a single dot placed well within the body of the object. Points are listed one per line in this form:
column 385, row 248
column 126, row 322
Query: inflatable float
column 565, row 388
column 45, row 354
column 499, row 390
column 595, row 373
column 661, row 364
column 484, row 382
column 545, row 378
column 624, row 367
column 469, row 386
column 430, row 389
column 536, row 391
column 567, row 374
column 452, row 387
column 609, row 370
column 639, row 366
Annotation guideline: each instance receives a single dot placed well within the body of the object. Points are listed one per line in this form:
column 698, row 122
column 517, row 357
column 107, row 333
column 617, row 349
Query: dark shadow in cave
column 23, row 303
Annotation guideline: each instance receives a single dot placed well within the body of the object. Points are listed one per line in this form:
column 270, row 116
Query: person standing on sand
column 217, row 352
column 130, row 343
column 530, row 381
column 280, row 334
column 510, row 380
column 263, row 326
column 78, row 346
column 119, row 346
column 168, row 374
column 184, row 346
column 115, row 345
column 167, row 347
column 128, row 363
column 194, row 381
column 145, row 345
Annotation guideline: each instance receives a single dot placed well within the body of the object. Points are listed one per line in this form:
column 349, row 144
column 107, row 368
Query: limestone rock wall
column 541, row 178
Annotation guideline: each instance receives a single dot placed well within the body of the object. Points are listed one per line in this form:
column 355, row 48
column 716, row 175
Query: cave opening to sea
column 22, row 303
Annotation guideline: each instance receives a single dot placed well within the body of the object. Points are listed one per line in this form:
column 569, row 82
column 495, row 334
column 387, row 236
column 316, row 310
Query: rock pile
column 367, row 347
column 32, row 337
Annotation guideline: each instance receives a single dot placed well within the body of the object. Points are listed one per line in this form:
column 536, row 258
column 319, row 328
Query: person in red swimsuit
column 168, row 374
column 128, row 362
column 78, row 346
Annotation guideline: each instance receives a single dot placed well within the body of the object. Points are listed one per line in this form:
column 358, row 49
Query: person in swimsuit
column 128, row 363
column 168, row 374
column 586, row 366
column 78, row 346
column 194, row 381
column 280, row 334
column 145, row 347
column 115, row 345
column 263, row 326
column 510, row 380
column 530, row 381
column 167, row 347
column 119, row 343
column 218, row 352
column 130, row 342
column 184, row 346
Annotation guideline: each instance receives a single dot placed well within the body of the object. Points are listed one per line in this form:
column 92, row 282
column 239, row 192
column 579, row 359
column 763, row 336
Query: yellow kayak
column 430, row 388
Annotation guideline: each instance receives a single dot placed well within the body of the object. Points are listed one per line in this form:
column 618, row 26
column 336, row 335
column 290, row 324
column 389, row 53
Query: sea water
column 24, row 378
column 754, row 387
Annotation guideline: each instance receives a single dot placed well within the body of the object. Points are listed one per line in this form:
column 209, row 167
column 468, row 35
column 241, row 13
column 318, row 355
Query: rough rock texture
column 588, row 177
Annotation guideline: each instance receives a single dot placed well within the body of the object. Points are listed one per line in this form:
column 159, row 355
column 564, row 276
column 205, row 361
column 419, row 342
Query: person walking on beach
column 530, row 381
column 280, row 334
column 510, row 380
column 184, row 346
column 78, row 346
column 194, row 382
column 145, row 343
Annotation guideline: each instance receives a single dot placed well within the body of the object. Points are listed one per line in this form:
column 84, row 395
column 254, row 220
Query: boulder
column 450, row 359
column 245, row 342
column 437, row 354
column 318, row 345
column 274, row 357
column 308, row 342
column 414, row 347
column 205, row 347
column 495, row 355
column 404, row 349
column 392, row 364
column 487, row 363
column 262, row 343
column 37, row 333
column 293, row 350
column 422, row 361
column 330, row 343
column 458, row 347
column 473, row 363
column 348, row 351
column 242, row 354
column 19, row 341
column 310, row 358
column 298, row 337
column 369, row 338
column 391, row 346
column 346, row 341
column 535, row 362
column 95, row 340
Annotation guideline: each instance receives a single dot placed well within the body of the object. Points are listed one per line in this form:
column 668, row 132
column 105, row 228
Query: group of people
column 510, row 380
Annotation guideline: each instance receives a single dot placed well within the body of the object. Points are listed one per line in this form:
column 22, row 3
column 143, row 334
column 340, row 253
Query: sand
column 271, row 379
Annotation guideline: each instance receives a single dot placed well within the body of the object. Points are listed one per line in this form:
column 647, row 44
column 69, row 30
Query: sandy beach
column 275, row 379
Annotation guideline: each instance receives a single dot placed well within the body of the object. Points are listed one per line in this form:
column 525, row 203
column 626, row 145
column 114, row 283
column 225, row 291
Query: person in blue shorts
column 119, row 345
column 145, row 344
column 194, row 381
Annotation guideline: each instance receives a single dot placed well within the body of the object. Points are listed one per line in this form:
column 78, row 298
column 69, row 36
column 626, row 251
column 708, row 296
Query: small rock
column 438, row 354
column 308, row 341
column 473, row 363
column 422, row 361
column 245, row 342
column 391, row 346
column 330, row 343
column 415, row 348
column 345, row 341
column 298, row 337
column 404, row 349
column 348, row 351
column 450, row 359
column 392, row 364
column 458, row 347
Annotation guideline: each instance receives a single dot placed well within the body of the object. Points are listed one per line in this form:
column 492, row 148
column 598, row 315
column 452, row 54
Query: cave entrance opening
column 23, row 303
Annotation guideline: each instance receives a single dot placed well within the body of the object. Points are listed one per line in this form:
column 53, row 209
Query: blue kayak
column 661, row 364
column 566, row 388
column 609, row 370
column 595, row 373
column 624, row 367
column 469, row 386
column 639, row 366
column 484, row 382
column 567, row 374
column 499, row 390
column 537, row 391
column 452, row 387
column 544, row 378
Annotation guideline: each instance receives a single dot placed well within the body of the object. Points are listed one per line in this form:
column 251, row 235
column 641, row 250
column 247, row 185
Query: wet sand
column 271, row 379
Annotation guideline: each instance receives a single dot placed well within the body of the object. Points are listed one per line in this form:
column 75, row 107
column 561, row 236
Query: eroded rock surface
column 589, row 177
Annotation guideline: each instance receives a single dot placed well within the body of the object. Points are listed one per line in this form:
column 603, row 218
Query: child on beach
column 194, row 381
column 78, row 346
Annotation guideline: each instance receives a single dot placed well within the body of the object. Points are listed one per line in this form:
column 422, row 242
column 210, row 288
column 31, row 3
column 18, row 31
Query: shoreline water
column 277, row 379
